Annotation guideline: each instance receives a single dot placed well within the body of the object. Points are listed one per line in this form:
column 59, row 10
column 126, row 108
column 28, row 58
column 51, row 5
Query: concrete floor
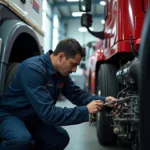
column 83, row 136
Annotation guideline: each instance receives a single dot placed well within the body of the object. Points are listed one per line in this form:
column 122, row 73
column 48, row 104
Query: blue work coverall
column 28, row 111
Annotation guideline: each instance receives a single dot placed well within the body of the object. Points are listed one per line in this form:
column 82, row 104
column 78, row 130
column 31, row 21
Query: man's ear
column 61, row 56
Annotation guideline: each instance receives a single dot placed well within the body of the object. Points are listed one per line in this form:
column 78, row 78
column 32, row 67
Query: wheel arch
column 19, row 42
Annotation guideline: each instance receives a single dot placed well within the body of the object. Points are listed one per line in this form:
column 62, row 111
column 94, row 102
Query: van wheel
column 11, row 71
column 106, row 86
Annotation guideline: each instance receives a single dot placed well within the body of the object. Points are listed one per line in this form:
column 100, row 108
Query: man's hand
column 95, row 106
column 111, row 99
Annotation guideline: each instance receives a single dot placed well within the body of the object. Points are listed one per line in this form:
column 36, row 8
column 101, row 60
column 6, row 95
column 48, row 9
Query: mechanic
column 27, row 109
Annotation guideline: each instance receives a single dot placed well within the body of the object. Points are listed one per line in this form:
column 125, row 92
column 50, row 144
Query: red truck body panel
column 124, row 19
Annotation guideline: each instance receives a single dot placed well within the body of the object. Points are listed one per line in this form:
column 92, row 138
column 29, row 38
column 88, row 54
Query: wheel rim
column 99, row 92
column 98, row 116
column 97, row 120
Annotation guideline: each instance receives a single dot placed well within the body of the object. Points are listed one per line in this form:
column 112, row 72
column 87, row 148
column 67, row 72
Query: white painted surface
column 47, row 25
column 35, row 16
column 30, row 13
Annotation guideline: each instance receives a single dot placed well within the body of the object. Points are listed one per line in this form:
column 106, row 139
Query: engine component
column 126, row 119
column 129, row 72
column 125, row 114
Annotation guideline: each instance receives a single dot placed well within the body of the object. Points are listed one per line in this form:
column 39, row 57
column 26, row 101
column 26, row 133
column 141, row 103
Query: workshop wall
column 47, row 25
column 83, row 37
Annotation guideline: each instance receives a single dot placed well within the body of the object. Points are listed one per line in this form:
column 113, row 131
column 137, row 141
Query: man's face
column 67, row 66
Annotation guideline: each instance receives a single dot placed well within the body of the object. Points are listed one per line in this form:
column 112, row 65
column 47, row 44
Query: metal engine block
column 125, row 114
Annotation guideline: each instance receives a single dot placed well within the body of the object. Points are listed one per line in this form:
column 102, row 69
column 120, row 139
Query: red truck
column 112, row 69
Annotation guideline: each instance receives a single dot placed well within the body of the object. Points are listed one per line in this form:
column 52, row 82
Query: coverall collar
column 50, row 67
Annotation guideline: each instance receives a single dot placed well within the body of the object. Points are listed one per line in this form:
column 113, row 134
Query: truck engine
column 126, row 113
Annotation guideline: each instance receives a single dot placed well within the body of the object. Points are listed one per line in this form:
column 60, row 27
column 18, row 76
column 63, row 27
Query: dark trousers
column 16, row 135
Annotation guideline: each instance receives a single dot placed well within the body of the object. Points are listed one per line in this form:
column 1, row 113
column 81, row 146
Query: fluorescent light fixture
column 83, row 7
column 77, row 14
column 102, row 21
column 72, row 0
column 83, row 29
column 102, row 3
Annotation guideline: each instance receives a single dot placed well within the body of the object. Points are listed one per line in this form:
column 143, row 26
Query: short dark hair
column 70, row 47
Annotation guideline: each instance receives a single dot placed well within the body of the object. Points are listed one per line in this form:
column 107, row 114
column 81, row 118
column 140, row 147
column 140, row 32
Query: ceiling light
column 103, row 3
column 102, row 21
column 72, row 0
column 83, row 29
column 77, row 14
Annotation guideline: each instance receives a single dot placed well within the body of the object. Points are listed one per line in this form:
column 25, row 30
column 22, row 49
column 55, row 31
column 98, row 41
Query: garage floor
column 83, row 136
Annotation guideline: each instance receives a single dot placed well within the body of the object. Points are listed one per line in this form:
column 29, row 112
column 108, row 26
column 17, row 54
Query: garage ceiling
column 65, row 8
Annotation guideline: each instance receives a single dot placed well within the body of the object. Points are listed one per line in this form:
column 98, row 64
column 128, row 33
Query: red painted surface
column 124, row 18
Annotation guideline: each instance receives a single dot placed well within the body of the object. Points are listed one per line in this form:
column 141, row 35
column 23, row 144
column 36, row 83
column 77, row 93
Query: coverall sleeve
column 34, row 85
column 78, row 96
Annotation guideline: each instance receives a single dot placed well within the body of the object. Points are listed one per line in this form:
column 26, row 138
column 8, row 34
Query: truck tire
column 144, row 84
column 106, row 86
column 11, row 71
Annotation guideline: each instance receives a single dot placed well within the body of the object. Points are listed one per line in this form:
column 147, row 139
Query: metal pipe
column 126, row 119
